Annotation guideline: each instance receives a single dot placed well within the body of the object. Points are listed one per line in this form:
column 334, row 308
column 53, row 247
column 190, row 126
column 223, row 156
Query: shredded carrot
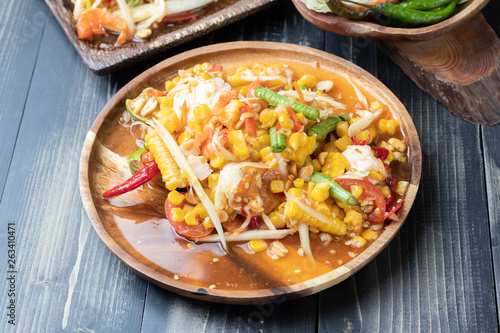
column 301, row 95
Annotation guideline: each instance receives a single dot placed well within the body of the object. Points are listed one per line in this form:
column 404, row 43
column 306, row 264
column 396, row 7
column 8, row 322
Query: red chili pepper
column 297, row 125
column 380, row 152
column 155, row 93
column 278, row 126
column 394, row 210
column 142, row 176
column 360, row 142
column 254, row 223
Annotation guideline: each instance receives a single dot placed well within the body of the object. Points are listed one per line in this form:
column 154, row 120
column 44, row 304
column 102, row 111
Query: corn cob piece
column 170, row 171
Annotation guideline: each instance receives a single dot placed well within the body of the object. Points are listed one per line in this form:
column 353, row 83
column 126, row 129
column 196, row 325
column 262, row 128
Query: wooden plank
column 66, row 277
column 20, row 34
column 436, row 275
column 491, row 146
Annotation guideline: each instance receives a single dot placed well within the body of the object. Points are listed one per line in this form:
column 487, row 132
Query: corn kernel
column 175, row 197
column 386, row 191
column 285, row 121
column 241, row 150
column 298, row 182
column 369, row 234
column 316, row 165
column 359, row 241
column 294, row 191
column 390, row 157
column 184, row 173
column 382, row 125
column 342, row 128
column 376, row 105
column 169, row 85
column 402, row 187
column 177, row 214
column 185, row 136
column 176, row 79
column 354, row 218
column 356, row 190
column 277, row 186
column 276, row 220
column 257, row 245
column 320, row 192
column 301, row 116
column 191, row 219
column 200, row 210
column 207, row 223
column 392, row 126
column 294, row 141
column 217, row 162
column 386, row 145
column 202, row 112
column 376, row 175
column 343, row 142
column 213, row 179
column 205, row 65
column 307, row 80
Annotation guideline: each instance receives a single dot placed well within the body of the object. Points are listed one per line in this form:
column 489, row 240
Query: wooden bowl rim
column 363, row 29
column 262, row 295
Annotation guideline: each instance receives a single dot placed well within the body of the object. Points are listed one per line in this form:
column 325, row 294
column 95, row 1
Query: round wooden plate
column 100, row 162
column 363, row 29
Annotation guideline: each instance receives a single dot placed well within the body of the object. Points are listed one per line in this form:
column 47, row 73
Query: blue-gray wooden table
column 440, row 274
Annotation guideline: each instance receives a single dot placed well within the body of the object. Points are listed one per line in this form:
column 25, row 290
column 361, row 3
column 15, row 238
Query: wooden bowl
column 363, row 29
column 119, row 223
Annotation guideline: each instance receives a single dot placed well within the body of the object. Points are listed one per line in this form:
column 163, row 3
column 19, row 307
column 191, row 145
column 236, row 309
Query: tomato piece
column 370, row 192
column 194, row 231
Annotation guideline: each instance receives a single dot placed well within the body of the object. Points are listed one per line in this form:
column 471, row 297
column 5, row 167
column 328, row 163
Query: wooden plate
column 363, row 29
column 120, row 223
column 102, row 61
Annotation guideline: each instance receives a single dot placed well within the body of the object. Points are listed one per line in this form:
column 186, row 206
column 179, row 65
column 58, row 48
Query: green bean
column 336, row 191
column 274, row 99
column 323, row 128
column 278, row 141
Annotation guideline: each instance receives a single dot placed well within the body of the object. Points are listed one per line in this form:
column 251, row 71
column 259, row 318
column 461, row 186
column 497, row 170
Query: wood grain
column 436, row 275
column 18, row 63
column 461, row 69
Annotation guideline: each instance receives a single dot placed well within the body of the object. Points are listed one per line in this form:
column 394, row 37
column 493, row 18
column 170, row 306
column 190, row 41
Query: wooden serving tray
column 456, row 61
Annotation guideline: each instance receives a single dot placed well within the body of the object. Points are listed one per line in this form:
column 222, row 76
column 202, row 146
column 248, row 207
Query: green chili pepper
column 336, row 191
column 278, row 141
column 411, row 17
column 340, row 9
column 423, row 4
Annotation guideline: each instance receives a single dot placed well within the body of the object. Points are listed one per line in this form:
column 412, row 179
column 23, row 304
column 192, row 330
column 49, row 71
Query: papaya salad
column 131, row 19
column 266, row 152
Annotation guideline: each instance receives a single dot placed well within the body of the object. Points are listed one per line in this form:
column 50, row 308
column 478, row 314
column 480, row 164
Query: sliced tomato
column 194, row 231
column 370, row 192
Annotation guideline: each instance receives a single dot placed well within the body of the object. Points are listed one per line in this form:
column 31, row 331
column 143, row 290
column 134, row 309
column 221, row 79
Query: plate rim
column 260, row 295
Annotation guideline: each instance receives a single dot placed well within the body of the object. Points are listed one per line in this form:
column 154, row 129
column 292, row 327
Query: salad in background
column 131, row 19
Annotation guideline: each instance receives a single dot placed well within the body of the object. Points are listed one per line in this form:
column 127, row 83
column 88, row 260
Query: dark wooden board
column 18, row 61
column 59, row 256
column 437, row 275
